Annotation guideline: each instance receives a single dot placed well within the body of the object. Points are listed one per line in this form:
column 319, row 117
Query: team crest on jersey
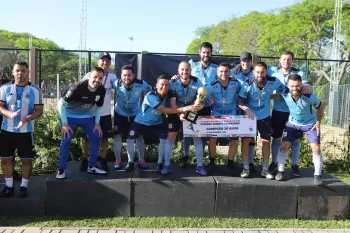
column 192, row 90
column 170, row 126
column 211, row 72
column 132, row 132
column 68, row 94
column 269, row 90
column 136, row 92
column 303, row 103
column 27, row 96
column 97, row 98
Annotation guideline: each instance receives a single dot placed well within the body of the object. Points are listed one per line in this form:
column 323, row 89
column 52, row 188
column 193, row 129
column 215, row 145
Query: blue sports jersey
column 280, row 105
column 225, row 98
column 148, row 114
column 185, row 95
column 258, row 100
column 301, row 113
column 127, row 100
column 238, row 74
column 16, row 98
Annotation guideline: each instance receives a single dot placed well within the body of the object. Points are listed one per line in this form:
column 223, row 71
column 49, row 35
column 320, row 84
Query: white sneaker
column 61, row 174
column 267, row 174
column 95, row 170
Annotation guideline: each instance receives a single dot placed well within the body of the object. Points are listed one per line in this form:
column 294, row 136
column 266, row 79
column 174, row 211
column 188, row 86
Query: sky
column 156, row 25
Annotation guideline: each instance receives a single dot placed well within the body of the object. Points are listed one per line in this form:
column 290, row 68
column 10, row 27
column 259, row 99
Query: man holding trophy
column 185, row 87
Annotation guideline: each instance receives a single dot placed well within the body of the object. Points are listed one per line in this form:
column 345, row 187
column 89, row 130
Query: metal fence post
column 89, row 58
column 33, row 65
column 40, row 67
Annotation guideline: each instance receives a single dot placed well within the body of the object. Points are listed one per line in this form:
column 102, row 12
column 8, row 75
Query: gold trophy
column 192, row 115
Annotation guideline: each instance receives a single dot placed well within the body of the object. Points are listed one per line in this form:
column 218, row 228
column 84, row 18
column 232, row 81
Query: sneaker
column 166, row 170
column 252, row 167
column 201, row 170
column 22, row 192
column 318, row 181
column 272, row 168
column 184, row 162
column 265, row 173
column 84, row 165
column 16, row 175
column 104, row 165
column 117, row 165
column 159, row 167
column 295, row 169
column 245, row 173
column 96, row 171
column 280, row 176
column 142, row 164
column 6, row 192
column 129, row 167
column 61, row 174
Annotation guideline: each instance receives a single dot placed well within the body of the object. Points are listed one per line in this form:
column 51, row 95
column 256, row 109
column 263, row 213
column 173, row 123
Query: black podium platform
column 181, row 193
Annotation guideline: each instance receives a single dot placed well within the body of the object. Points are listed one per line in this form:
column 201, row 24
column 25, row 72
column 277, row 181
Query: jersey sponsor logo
column 85, row 97
column 69, row 93
column 86, row 106
column 97, row 98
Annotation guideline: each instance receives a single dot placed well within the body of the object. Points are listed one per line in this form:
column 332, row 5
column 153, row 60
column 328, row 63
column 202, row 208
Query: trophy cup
column 192, row 116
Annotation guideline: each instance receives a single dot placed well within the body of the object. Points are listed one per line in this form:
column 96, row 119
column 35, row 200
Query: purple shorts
column 136, row 129
column 278, row 122
column 122, row 123
column 174, row 123
column 264, row 128
column 292, row 132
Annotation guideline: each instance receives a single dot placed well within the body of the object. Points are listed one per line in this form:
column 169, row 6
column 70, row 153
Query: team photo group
column 279, row 101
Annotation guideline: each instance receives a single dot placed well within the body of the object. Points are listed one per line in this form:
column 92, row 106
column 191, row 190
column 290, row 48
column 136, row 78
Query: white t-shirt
column 107, row 83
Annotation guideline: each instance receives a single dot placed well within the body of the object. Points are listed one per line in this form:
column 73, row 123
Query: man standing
column 185, row 88
column 280, row 111
column 75, row 109
column 254, row 99
column 301, row 121
column 109, row 77
column 149, row 118
column 21, row 102
column 128, row 93
column 224, row 91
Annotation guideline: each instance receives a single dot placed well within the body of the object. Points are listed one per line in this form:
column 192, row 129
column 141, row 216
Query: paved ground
column 127, row 230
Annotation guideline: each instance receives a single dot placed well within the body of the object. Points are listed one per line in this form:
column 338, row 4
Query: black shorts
column 122, row 123
column 278, row 123
column 10, row 141
column 106, row 127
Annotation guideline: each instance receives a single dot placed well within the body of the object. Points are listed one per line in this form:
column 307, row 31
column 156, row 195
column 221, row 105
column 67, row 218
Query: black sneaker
column 279, row 176
column 184, row 162
column 6, row 192
column 104, row 165
column 318, row 181
column 272, row 168
column 84, row 165
column 159, row 167
column 129, row 167
column 16, row 175
column 252, row 167
column 295, row 169
column 22, row 192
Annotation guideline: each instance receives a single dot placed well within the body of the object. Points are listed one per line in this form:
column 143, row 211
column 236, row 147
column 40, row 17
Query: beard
column 205, row 60
column 129, row 84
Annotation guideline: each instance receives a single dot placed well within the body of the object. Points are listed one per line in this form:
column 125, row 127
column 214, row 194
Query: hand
column 21, row 123
column 317, row 126
column 307, row 89
column 175, row 77
column 66, row 131
column 187, row 108
column 250, row 114
column 13, row 115
column 99, row 130
column 182, row 117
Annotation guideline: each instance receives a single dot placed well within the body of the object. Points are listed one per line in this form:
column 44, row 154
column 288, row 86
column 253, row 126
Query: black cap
column 246, row 55
column 104, row 54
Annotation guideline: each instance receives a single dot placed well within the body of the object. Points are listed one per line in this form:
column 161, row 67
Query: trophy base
column 191, row 116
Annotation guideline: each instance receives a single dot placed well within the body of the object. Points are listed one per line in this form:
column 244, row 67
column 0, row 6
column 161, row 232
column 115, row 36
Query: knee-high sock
column 198, row 149
column 140, row 145
column 295, row 146
column 186, row 142
column 317, row 159
column 282, row 157
column 251, row 153
column 276, row 144
column 131, row 149
column 161, row 148
column 168, row 150
column 117, row 146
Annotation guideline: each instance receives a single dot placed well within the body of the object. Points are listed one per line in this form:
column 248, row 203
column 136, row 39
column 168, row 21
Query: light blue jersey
column 127, row 100
column 280, row 105
column 238, row 74
column 16, row 98
column 301, row 113
column 225, row 98
column 258, row 100
column 148, row 114
column 185, row 95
